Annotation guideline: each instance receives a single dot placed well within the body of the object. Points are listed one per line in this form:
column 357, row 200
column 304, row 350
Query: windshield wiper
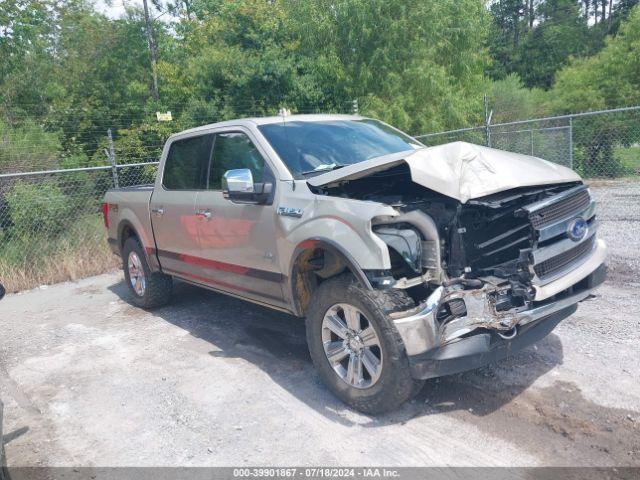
column 323, row 168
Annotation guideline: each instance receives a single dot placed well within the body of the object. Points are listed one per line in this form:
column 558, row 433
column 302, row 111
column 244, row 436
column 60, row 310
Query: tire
column 392, row 384
column 156, row 286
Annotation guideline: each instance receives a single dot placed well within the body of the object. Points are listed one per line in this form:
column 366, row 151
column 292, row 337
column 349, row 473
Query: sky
column 117, row 7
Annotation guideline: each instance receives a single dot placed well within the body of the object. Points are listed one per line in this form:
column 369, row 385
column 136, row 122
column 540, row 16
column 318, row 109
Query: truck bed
column 130, row 204
column 136, row 197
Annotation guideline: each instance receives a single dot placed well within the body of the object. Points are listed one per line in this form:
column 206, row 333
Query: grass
column 629, row 159
column 79, row 252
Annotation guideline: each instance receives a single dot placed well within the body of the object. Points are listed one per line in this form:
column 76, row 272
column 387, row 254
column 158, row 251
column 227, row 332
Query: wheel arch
column 315, row 260
column 126, row 230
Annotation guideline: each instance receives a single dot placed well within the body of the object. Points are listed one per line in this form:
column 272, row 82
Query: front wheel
column 148, row 289
column 356, row 348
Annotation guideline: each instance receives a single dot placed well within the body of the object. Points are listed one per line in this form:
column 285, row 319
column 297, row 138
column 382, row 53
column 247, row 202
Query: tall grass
column 78, row 252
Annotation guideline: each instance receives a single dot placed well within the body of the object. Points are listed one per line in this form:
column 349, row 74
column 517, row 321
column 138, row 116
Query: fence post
column 570, row 142
column 531, row 139
column 487, row 119
column 112, row 159
column 354, row 107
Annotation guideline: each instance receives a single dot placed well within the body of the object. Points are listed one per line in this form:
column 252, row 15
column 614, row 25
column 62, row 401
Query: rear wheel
column 356, row 348
column 148, row 289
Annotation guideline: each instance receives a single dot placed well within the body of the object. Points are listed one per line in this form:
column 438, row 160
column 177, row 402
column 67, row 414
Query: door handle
column 158, row 211
column 206, row 214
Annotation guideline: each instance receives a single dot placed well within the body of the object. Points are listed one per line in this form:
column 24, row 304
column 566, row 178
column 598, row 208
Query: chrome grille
column 557, row 263
column 566, row 208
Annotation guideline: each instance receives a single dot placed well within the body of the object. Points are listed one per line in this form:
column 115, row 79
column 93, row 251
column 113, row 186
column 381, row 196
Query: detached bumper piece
column 483, row 335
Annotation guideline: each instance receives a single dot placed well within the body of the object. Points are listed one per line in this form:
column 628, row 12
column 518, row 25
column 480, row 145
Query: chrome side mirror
column 237, row 182
column 238, row 186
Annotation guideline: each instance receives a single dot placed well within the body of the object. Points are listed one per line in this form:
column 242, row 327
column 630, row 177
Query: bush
column 37, row 209
column 510, row 100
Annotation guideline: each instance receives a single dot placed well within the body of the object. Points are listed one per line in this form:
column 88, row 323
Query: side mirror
column 2, row 291
column 238, row 186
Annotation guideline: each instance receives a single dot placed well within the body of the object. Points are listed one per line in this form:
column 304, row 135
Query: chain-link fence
column 603, row 144
column 52, row 182
column 50, row 222
column 53, row 177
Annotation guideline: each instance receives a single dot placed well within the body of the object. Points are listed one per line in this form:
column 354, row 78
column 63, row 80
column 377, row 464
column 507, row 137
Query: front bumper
column 477, row 350
column 481, row 336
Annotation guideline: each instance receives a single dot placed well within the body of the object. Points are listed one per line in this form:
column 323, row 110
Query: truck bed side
column 128, row 212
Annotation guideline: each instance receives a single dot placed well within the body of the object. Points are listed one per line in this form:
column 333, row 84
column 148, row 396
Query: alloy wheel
column 136, row 274
column 352, row 346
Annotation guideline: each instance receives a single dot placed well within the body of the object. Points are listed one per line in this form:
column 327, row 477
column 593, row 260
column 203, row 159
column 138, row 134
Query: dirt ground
column 89, row 380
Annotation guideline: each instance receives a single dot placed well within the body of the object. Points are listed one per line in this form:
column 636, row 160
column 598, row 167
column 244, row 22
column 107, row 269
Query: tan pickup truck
column 407, row 262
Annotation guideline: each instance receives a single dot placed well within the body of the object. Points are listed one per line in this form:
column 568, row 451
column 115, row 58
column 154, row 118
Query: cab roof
column 254, row 121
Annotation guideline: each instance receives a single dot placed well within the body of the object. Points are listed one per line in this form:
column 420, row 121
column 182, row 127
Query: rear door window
column 187, row 163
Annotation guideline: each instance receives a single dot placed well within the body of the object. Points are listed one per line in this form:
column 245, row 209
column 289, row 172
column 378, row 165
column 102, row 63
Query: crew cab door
column 238, row 240
column 173, row 204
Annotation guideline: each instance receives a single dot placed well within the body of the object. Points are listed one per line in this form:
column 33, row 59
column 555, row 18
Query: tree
column 153, row 54
column 102, row 73
column 609, row 79
column 511, row 21
column 26, row 30
column 417, row 64
column 243, row 60
column 621, row 11
column 510, row 100
column 561, row 34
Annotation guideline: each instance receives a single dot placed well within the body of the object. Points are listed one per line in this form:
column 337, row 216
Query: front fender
column 366, row 250
column 345, row 222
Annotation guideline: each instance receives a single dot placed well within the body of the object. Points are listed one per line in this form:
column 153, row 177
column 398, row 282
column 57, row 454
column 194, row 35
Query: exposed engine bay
column 476, row 263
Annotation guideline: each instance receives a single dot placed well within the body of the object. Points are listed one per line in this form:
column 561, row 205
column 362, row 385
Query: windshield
column 309, row 148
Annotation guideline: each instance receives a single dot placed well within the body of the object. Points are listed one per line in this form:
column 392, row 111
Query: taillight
column 105, row 214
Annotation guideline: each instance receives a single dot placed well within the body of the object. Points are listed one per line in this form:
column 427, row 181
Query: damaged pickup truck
column 407, row 262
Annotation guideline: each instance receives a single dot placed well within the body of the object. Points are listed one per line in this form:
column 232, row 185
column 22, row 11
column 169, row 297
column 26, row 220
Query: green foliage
column 27, row 147
column 142, row 143
column 243, row 61
column 609, row 79
column 37, row 209
column 511, row 100
column 25, row 66
column 417, row 64
column 536, row 38
column 548, row 47
column 629, row 159
column 70, row 73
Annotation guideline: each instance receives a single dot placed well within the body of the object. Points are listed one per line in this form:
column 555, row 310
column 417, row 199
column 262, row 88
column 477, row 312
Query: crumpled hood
column 460, row 170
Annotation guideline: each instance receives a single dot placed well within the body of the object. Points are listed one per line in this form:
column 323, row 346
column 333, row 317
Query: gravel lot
column 88, row 379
